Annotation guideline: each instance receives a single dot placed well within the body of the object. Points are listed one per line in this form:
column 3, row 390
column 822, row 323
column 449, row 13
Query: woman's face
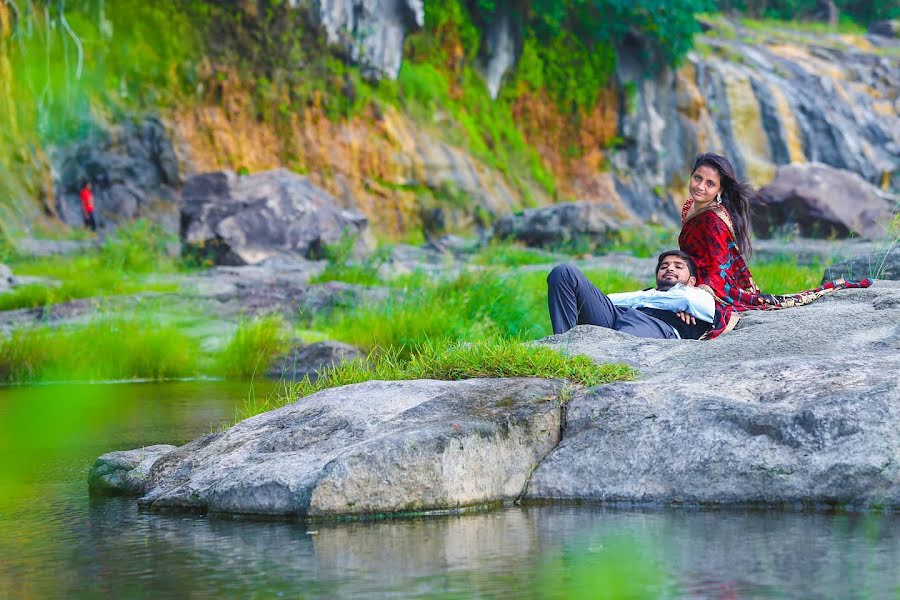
column 704, row 184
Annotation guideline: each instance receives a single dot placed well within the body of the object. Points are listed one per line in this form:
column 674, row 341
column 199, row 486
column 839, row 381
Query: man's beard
column 664, row 285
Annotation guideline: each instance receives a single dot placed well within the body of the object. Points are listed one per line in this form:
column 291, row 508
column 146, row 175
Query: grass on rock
column 495, row 357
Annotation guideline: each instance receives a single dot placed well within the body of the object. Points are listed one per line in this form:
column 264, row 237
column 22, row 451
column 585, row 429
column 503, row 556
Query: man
column 87, row 206
column 676, row 309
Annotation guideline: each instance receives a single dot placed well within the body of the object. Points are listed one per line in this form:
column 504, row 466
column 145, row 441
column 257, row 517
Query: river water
column 55, row 541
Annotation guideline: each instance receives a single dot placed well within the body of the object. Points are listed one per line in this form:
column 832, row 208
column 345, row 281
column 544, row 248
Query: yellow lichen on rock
column 789, row 126
column 746, row 122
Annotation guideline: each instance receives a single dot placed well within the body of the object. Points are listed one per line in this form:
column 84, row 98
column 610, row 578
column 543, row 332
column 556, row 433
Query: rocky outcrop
column 125, row 472
column 889, row 29
column 375, row 447
column 821, row 201
column 877, row 265
column 246, row 219
column 794, row 407
column 799, row 407
column 310, row 360
column 134, row 172
column 763, row 99
column 371, row 31
column 558, row 224
column 6, row 278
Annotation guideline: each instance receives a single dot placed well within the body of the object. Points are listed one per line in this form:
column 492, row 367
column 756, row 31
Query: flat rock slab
column 799, row 406
column 374, row 447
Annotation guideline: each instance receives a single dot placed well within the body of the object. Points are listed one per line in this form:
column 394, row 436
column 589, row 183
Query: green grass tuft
column 253, row 346
column 494, row 357
column 105, row 348
column 785, row 276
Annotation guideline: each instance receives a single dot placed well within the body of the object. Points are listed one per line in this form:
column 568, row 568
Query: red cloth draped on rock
column 708, row 236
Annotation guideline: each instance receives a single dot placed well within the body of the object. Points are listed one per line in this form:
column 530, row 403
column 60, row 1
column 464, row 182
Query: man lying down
column 676, row 309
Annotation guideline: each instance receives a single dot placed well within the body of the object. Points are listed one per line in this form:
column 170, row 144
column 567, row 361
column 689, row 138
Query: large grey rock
column 880, row 265
column 134, row 171
column 889, row 29
column 310, row 360
column 246, row 219
column 558, row 224
column 795, row 407
column 375, row 447
column 371, row 31
column 823, row 202
column 124, row 472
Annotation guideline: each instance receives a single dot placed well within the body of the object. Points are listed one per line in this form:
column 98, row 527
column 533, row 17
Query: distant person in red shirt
column 87, row 206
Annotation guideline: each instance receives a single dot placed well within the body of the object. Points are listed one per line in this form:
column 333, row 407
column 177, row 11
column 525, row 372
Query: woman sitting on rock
column 715, row 232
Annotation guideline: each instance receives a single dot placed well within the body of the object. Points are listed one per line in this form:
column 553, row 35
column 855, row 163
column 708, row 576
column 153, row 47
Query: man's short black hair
column 692, row 268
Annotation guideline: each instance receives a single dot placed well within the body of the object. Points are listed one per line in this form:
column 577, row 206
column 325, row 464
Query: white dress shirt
column 679, row 298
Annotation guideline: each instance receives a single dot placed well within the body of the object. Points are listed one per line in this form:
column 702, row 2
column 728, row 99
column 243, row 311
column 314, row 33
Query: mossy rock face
column 367, row 449
column 124, row 472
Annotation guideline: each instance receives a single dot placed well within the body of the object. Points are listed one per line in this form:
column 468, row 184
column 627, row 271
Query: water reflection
column 55, row 541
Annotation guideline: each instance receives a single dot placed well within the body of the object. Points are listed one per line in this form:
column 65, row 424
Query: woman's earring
column 718, row 198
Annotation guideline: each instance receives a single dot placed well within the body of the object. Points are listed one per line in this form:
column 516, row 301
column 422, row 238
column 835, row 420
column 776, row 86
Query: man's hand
column 686, row 318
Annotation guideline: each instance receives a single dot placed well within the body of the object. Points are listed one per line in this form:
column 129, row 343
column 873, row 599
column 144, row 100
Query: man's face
column 672, row 270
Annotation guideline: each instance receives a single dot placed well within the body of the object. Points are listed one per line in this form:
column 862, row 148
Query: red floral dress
column 708, row 237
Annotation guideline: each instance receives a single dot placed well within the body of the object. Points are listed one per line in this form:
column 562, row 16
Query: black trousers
column 574, row 300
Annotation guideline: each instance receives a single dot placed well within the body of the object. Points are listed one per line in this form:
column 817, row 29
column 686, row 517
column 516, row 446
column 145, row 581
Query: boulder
column 6, row 278
column 134, row 171
column 822, row 201
column 244, row 220
column 799, row 407
column 310, row 360
column 878, row 265
column 889, row 29
column 371, row 31
column 374, row 447
column 124, row 472
column 558, row 224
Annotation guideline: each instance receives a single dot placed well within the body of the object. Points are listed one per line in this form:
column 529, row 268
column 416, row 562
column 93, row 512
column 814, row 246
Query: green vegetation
column 861, row 11
column 119, row 266
column 468, row 308
column 253, row 346
column 512, row 255
column 342, row 266
column 493, row 357
column 785, row 276
column 104, row 348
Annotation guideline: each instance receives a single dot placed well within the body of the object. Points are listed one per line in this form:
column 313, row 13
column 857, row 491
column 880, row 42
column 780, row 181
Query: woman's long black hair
column 735, row 198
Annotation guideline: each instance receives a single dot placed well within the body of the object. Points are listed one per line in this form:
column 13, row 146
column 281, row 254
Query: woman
column 715, row 231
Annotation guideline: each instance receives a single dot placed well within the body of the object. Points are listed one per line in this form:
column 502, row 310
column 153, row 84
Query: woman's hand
column 687, row 318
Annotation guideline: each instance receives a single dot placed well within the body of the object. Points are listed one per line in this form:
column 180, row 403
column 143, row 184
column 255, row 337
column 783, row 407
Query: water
column 55, row 541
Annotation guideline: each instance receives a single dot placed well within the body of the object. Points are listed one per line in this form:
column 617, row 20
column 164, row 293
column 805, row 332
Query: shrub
column 253, row 346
